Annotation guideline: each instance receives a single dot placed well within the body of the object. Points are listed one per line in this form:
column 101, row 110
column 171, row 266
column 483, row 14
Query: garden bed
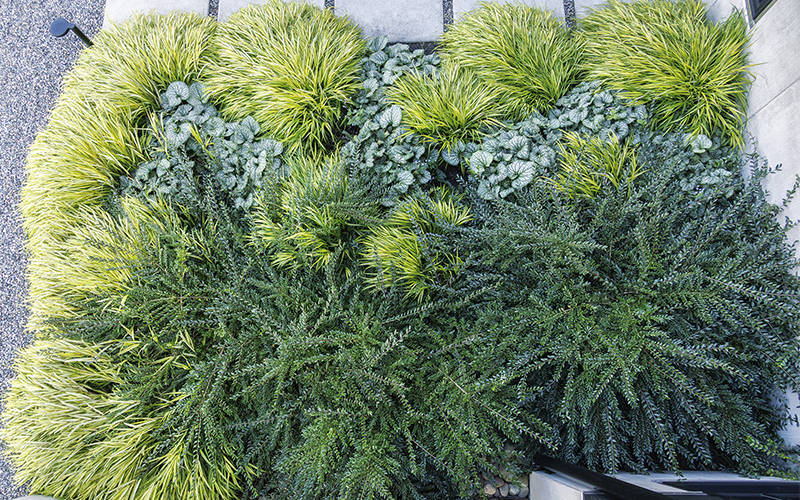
column 269, row 258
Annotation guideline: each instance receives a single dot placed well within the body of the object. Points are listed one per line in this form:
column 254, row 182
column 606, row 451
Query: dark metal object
column 758, row 6
column 60, row 26
column 739, row 490
column 609, row 486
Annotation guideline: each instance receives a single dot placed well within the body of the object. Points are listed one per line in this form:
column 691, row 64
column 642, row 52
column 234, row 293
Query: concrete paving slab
column 775, row 47
column 460, row 7
column 120, row 10
column 775, row 128
column 228, row 7
column 719, row 10
column 407, row 21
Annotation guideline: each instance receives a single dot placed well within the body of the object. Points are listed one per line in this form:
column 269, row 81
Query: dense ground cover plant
column 225, row 319
column 693, row 73
column 657, row 322
column 379, row 146
column 291, row 66
column 189, row 142
column 524, row 54
column 507, row 161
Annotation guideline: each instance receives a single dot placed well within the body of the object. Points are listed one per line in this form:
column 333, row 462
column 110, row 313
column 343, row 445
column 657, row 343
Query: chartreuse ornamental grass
column 275, row 331
column 94, row 136
column 524, row 54
column 72, row 436
column 291, row 66
column 694, row 74
column 446, row 107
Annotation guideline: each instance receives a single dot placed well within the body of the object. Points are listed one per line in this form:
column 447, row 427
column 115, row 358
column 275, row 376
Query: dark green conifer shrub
column 249, row 380
column 657, row 323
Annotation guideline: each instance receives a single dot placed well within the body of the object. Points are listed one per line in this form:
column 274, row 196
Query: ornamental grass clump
column 525, row 54
column 694, row 74
column 587, row 164
column 95, row 135
column 447, row 107
column 403, row 248
column 292, row 66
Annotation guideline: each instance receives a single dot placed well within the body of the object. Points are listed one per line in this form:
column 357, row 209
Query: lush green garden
column 271, row 259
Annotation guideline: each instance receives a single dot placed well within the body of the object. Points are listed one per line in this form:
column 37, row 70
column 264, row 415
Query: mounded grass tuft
column 523, row 53
column 93, row 136
column 70, row 436
column 403, row 248
column 447, row 107
column 666, row 53
column 292, row 66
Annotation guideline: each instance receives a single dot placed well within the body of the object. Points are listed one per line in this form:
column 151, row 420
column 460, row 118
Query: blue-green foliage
column 381, row 148
column 190, row 141
column 657, row 322
column 509, row 160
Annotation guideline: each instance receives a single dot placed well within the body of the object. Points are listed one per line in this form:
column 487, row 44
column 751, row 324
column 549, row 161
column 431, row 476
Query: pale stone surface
column 489, row 490
column 462, row 6
column 228, row 7
column 120, row 10
column 408, row 21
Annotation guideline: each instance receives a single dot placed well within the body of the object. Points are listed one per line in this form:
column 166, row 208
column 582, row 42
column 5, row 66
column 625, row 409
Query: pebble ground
column 32, row 65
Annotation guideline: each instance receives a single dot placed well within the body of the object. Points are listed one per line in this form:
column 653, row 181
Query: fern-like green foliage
column 588, row 164
column 239, row 379
column 290, row 65
column 380, row 146
column 668, row 54
column 403, row 248
column 523, row 53
column 447, row 107
column 656, row 324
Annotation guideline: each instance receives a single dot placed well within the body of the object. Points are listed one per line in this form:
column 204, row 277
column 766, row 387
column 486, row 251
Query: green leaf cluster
column 290, row 65
column 668, row 54
column 190, row 141
column 215, row 374
column 380, row 146
column 523, row 53
column 656, row 324
column 508, row 160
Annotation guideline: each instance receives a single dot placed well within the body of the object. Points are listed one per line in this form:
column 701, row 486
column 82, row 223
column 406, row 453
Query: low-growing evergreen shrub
column 524, row 54
column 668, row 54
column 292, row 66
column 657, row 322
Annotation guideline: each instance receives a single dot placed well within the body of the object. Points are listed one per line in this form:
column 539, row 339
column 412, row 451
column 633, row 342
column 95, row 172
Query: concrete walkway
column 400, row 20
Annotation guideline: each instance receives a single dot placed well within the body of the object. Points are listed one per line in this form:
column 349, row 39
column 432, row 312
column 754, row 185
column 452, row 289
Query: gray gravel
column 32, row 65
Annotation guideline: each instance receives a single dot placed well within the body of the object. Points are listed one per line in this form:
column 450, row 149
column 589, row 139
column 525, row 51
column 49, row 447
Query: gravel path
column 32, row 65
